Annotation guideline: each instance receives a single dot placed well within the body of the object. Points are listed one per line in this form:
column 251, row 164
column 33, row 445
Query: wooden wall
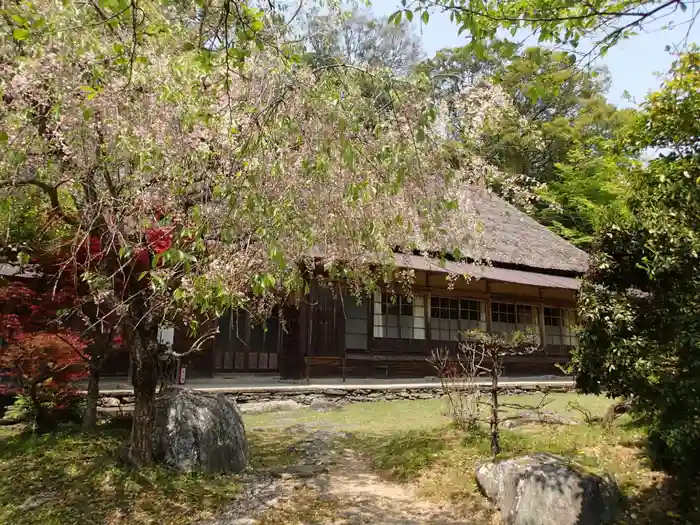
column 291, row 358
column 532, row 365
column 315, row 327
column 323, row 321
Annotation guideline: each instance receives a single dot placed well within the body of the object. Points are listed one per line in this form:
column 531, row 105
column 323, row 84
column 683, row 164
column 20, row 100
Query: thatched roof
column 488, row 229
column 482, row 271
column 512, row 237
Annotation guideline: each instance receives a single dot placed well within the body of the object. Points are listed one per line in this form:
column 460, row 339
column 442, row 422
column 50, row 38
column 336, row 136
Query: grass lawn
column 381, row 417
column 70, row 478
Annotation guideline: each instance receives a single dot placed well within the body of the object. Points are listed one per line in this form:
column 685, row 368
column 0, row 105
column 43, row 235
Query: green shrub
column 640, row 302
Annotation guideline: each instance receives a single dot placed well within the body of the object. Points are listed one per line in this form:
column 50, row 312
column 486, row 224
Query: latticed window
column 450, row 316
column 559, row 326
column 511, row 317
column 398, row 316
column 356, row 323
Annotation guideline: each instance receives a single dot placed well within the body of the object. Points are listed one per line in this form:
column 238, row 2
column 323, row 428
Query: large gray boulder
column 542, row 489
column 198, row 432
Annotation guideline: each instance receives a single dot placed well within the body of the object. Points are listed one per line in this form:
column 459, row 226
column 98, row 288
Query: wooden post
column 369, row 309
column 247, row 329
column 543, row 344
column 309, row 342
column 487, row 305
column 302, row 327
column 427, row 314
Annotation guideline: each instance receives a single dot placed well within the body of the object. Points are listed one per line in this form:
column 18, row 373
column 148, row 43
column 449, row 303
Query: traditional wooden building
column 530, row 284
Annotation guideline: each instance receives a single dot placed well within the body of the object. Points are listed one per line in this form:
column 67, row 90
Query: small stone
column 110, row 402
column 34, row 502
column 323, row 405
column 306, row 471
column 335, row 392
column 243, row 521
column 545, row 416
column 270, row 406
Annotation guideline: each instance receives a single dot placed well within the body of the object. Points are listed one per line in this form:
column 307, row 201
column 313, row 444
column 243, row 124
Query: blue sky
column 633, row 64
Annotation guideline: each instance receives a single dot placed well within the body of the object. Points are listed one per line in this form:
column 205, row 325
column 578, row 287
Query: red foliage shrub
column 45, row 365
column 159, row 239
column 40, row 357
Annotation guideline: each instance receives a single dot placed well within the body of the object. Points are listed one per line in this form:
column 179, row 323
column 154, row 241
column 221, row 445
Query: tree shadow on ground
column 665, row 501
column 76, row 478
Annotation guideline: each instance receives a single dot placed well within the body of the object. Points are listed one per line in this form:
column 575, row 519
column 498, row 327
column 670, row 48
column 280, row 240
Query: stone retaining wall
column 125, row 402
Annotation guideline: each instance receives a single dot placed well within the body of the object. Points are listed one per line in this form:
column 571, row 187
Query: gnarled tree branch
column 51, row 192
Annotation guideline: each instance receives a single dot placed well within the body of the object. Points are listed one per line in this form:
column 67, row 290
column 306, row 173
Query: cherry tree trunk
column 145, row 382
column 93, row 396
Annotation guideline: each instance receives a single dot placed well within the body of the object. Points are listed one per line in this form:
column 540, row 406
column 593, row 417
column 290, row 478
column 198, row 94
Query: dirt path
column 331, row 486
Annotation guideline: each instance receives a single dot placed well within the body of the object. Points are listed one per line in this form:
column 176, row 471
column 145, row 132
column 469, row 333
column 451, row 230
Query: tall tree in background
column 571, row 125
column 640, row 300
column 357, row 38
column 578, row 128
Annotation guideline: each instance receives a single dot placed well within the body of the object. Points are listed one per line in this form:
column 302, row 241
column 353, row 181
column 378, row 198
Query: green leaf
column 409, row 15
column 3, row 137
column 425, row 17
column 89, row 91
column 20, row 34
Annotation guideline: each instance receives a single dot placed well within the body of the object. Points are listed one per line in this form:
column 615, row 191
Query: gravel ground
column 331, row 485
